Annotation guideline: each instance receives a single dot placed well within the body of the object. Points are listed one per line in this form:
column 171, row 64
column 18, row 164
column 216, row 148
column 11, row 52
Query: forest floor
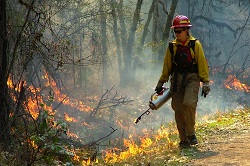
column 223, row 141
column 224, row 150
column 227, row 142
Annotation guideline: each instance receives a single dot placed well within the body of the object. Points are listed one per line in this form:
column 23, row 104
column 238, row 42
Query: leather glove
column 205, row 89
column 159, row 87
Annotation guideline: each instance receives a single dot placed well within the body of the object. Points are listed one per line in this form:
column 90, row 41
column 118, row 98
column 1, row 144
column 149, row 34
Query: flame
column 33, row 144
column 146, row 142
column 147, row 145
column 86, row 162
column 69, row 119
column 86, row 124
column 70, row 134
column 162, row 133
column 35, row 100
column 66, row 100
column 32, row 107
column 76, row 157
column 10, row 85
column 233, row 83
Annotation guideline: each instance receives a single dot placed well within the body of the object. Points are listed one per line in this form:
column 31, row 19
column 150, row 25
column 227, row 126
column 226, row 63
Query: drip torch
column 156, row 101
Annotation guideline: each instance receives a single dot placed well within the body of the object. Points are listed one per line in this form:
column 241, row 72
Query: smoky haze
column 83, row 50
column 224, row 35
column 223, row 30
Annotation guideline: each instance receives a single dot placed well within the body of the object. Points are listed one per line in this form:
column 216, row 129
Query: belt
column 183, row 70
column 191, row 69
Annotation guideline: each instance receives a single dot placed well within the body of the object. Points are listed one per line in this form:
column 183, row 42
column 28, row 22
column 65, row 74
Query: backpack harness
column 189, row 68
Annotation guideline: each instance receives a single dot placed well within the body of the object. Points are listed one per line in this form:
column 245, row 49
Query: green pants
column 184, row 102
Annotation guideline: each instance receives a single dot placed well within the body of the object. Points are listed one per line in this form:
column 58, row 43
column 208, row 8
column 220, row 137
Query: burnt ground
column 223, row 150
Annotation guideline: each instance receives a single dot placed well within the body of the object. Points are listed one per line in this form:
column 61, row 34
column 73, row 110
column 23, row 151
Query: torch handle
column 151, row 98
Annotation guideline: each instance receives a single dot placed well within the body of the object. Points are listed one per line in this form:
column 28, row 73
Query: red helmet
column 181, row 21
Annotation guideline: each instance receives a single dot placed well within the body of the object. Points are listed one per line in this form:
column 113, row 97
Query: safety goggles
column 179, row 30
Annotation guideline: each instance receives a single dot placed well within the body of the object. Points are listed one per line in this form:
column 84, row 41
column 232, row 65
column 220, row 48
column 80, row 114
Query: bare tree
column 130, row 43
column 166, row 30
column 116, row 36
column 145, row 34
column 125, row 62
column 4, row 106
column 103, row 21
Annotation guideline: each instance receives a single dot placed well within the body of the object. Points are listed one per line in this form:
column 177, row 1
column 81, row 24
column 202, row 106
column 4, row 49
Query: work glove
column 205, row 89
column 159, row 87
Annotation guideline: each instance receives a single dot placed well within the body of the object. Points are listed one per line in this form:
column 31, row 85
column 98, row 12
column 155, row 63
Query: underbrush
column 158, row 148
column 167, row 152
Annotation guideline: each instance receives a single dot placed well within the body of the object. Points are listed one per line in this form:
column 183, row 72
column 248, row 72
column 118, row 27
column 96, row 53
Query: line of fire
column 81, row 119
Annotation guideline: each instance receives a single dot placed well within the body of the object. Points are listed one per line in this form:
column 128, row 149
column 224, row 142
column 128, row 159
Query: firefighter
column 186, row 67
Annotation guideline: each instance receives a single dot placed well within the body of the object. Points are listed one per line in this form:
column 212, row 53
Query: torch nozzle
column 139, row 118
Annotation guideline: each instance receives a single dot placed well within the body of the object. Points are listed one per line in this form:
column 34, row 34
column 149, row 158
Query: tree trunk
column 104, row 43
column 116, row 36
column 145, row 30
column 4, row 108
column 123, row 39
column 167, row 29
column 128, row 59
column 144, row 35
column 169, row 20
column 155, row 23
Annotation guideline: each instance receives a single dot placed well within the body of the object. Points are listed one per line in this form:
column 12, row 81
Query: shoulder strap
column 191, row 44
column 171, row 48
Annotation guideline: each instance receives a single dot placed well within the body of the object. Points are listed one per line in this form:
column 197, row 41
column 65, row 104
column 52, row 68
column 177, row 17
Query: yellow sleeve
column 167, row 67
column 201, row 62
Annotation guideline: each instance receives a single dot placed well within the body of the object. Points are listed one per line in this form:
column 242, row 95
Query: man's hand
column 205, row 89
column 159, row 87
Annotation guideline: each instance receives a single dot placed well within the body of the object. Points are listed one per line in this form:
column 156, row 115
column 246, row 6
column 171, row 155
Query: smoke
column 220, row 98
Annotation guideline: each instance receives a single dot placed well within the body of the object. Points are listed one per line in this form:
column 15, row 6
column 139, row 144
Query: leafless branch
column 95, row 142
column 107, row 101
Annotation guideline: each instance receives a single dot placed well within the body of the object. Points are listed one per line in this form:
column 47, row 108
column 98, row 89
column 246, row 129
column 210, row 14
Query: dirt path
column 224, row 150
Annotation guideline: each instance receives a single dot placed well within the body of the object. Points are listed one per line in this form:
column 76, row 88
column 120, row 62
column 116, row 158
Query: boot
column 184, row 144
column 193, row 140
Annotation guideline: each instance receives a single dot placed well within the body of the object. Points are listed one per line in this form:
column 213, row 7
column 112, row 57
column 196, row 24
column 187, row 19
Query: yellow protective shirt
column 197, row 55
